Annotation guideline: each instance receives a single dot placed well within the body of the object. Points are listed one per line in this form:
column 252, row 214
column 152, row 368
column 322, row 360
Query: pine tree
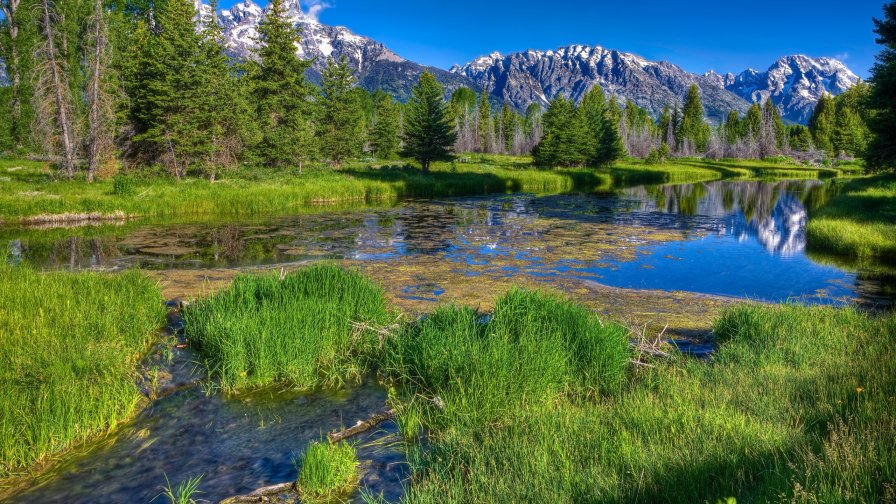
column 486, row 129
column 752, row 122
column 662, row 124
column 508, row 125
column 594, row 111
column 732, row 127
column 100, row 94
column 610, row 146
column 384, row 134
column 565, row 134
column 799, row 138
column 881, row 152
column 18, row 31
column 823, row 123
column 285, row 101
column 342, row 120
column 693, row 128
column 170, row 92
column 428, row 132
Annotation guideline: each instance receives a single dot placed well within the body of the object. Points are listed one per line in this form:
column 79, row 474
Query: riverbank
column 31, row 194
column 860, row 222
column 69, row 351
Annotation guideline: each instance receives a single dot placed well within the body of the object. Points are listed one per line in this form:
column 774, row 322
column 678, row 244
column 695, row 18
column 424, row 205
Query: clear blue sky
column 702, row 35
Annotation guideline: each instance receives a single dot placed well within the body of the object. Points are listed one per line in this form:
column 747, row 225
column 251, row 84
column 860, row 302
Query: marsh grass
column 327, row 472
column 796, row 406
column 860, row 222
column 536, row 349
column 183, row 493
column 296, row 330
column 69, row 348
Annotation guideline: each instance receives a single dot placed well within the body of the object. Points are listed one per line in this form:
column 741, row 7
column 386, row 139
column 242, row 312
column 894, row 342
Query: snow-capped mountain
column 374, row 64
column 795, row 84
column 538, row 76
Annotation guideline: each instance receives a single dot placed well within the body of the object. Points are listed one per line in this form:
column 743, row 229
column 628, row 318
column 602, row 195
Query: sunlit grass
column 860, row 222
column 68, row 352
column 327, row 472
column 296, row 330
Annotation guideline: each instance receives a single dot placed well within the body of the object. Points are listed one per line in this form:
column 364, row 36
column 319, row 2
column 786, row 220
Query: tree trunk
column 59, row 89
column 425, row 166
column 95, row 145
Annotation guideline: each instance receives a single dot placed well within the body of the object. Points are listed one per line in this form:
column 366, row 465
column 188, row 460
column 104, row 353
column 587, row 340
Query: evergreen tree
column 384, row 138
column 732, row 127
column 565, row 134
column 662, row 124
column 881, row 152
column 508, row 125
column 18, row 34
column 693, row 128
column 428, row 132
column 799, row 138
column 171, row 88
column 610, row 146
column 823, row 123
column 751, row 126
column 593, row 109
column 285, row 101
column 342, row 120
column 486, row 129
column 851, row 132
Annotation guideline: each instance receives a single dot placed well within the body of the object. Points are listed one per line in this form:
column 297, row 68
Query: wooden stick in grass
column 361, row 426
column 262, row 494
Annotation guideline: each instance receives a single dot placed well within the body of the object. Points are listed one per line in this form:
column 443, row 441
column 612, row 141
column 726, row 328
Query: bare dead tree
column 101, row 118
column 53, row 98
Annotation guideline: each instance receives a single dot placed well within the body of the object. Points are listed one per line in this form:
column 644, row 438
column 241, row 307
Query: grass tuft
column 327, row 472
column 296, row 331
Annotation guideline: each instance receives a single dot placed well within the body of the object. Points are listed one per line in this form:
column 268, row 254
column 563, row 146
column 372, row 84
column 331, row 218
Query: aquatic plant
column 295, row 329
column 326, row 471
column 184, row 492
column 69, row 351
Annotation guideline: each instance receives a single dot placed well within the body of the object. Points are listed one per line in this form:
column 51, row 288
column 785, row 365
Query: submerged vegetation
column 860, row 222
column 69, row 351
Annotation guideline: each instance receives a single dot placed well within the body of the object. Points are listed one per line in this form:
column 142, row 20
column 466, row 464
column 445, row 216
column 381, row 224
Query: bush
column 327, row 471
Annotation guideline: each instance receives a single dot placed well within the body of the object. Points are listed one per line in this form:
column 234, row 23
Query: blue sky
column 702, row 35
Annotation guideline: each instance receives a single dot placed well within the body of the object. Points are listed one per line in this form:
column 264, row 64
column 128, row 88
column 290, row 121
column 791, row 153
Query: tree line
column 96, row 83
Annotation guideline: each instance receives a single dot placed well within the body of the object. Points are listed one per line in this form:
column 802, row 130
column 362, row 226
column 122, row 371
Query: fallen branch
column 361, row 426
column 262, row 494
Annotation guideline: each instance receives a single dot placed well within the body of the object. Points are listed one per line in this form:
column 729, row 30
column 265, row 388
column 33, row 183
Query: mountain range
column 794, row 83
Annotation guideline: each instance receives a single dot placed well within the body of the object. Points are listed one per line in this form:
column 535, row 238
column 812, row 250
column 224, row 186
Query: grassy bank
column 797, row 406
column 67, row 357
column 30, row 192
column 860, row 222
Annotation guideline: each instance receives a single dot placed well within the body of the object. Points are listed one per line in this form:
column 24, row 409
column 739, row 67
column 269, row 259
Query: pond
column 742, row 239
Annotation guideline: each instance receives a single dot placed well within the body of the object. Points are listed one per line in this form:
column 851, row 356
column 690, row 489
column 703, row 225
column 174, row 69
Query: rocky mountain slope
column 794, row 83
column 374, row 64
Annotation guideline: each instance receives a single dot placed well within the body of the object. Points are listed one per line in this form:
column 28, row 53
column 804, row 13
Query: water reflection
column 729, row 238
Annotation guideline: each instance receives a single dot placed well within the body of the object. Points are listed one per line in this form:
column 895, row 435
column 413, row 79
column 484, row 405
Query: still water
column 742, row 239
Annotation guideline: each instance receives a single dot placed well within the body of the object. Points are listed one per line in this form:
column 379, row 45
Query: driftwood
column 361, row 426
column 262, row 494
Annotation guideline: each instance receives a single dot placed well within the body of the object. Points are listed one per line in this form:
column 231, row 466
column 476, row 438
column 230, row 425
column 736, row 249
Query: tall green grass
column 860, row 222
column 296, row 330
column 68, row 351
column 534, row 350
column 796, row 407
column 327, row 472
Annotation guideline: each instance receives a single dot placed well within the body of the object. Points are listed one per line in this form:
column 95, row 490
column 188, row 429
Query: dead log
column 262, row 494
column 361, row 426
